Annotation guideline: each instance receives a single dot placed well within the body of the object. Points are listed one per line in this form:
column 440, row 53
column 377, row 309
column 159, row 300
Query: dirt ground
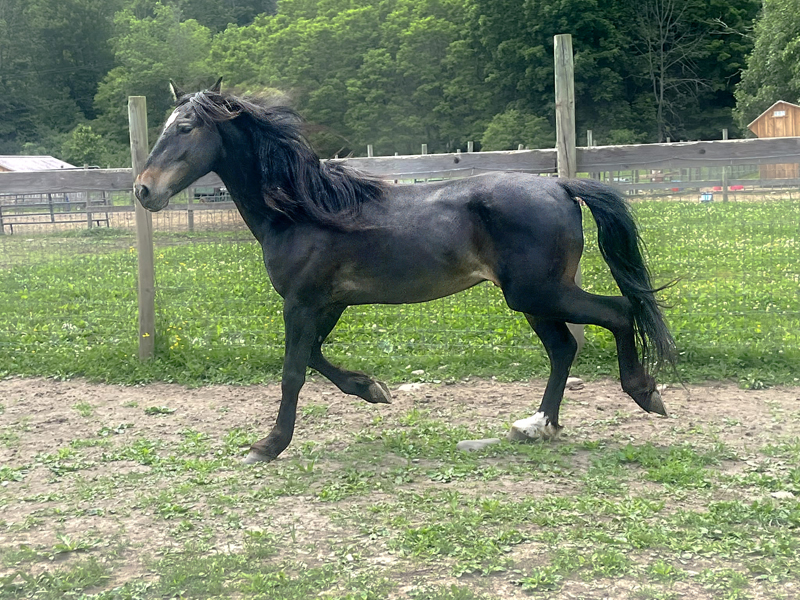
column 40, row 416
column 46, row 407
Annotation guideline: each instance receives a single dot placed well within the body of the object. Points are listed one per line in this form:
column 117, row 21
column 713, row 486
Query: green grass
column 68, row 308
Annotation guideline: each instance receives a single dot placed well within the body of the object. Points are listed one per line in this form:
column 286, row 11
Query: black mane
column 295, row 183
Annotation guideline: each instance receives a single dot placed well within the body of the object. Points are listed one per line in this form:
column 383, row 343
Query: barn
column 31, row 163
column 782, row 119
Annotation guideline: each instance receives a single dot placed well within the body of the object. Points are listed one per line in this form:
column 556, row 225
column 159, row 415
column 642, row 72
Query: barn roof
column 32, row 163
column 769, row 109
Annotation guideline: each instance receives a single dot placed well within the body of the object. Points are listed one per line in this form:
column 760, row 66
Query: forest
column 395, row 73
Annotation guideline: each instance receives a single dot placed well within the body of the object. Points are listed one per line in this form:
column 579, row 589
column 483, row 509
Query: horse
column 334, row 237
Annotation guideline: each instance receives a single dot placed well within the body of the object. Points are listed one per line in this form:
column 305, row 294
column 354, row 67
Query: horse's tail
column 622, row 248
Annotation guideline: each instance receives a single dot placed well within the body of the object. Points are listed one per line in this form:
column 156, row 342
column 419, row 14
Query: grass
column 68, row 308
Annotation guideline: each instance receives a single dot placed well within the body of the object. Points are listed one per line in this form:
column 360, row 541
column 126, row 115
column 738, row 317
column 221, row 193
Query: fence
column 218, row 318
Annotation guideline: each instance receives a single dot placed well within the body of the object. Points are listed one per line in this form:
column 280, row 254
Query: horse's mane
column 295, row 183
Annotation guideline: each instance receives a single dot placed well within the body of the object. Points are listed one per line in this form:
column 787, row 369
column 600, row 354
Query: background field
column 68, row 307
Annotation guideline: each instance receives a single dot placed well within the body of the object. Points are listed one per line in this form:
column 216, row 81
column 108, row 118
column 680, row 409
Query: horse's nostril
column 141, row 191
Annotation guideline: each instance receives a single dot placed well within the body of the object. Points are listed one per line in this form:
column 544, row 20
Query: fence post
column 88, row 203
column 137, row 118
column 590, row 144
column 565, row 131
column 189, row 209
column 725, row 172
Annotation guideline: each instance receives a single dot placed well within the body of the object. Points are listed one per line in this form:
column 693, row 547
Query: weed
column 84, row 409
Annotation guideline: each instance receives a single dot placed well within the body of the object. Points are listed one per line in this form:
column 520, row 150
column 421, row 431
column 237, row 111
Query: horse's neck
column 241, row 175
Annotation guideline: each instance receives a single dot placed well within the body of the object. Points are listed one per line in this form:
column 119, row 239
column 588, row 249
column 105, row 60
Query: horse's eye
column 184, row 127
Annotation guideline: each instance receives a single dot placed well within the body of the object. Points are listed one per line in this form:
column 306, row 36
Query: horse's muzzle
column 151, row 201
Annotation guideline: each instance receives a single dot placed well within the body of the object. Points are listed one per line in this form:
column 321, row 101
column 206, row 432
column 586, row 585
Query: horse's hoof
column 655, row 404
column 537, row 427
column 379, row 393
column 255, row 457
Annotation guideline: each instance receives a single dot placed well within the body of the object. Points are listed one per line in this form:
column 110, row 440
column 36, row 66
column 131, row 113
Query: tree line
column 395, row 73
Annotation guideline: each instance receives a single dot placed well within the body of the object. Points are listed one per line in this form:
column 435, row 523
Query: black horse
column 333, row 237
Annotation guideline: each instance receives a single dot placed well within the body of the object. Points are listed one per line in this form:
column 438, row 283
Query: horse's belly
column 410, row 289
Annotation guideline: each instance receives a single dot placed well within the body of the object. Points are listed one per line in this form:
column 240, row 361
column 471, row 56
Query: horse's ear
column 176, row 91
column 217, row 86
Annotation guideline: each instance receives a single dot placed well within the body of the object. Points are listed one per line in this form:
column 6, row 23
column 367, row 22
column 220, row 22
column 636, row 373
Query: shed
column 31, row 163
column 782, row 119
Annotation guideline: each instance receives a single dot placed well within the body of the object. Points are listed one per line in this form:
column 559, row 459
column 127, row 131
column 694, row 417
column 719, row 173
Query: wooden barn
column 782, row 119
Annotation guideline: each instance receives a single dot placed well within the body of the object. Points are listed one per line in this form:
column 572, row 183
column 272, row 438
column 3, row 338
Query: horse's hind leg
column 567, row 302
column 615, row 313
column 355, row 383
column 561, row 348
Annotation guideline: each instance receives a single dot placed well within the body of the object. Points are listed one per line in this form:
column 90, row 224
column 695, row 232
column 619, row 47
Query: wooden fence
column 680, row 155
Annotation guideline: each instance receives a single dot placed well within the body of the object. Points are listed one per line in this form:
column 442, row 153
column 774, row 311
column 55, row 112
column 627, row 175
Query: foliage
column 148, row 52
column 771, row 72
column 509, row 130
column 84, row 147
column 394, row 73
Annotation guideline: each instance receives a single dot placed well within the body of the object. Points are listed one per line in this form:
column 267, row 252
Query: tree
column 69, row 45
column 17, row 111
column 217, row 14
column 509, row 129
column 514, row 39
column 84, row 147
column 148, row 52
column 772, row 71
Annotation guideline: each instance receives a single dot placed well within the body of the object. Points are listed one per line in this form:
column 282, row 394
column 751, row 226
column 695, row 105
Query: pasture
column 68, row 308
column 126, row 490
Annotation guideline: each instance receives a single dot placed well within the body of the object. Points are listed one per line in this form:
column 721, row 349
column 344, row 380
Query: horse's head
column 186, row 150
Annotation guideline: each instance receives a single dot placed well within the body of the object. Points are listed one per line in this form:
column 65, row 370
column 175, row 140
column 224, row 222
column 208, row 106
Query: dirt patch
column 61, row 474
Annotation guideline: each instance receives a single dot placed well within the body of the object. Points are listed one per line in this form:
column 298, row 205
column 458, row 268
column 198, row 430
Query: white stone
column 475, row 445
column 575, row 383
column 783, row 495
column 410, row 387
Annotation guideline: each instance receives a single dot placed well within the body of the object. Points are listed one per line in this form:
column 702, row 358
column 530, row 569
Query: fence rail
column 718, row 153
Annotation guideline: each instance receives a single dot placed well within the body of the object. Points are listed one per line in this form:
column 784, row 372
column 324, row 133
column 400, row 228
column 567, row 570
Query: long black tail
column 621, row 247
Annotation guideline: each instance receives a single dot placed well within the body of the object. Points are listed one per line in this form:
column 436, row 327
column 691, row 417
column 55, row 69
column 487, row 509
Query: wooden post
column 88, row 204
column 190, row 209
column 2, row 225
column 369, row 151
column 725, row 172
column 50, row 205
column 565, row 130
column 470, row 146
column 137, row 118
column 590, row 144
column 88, row 209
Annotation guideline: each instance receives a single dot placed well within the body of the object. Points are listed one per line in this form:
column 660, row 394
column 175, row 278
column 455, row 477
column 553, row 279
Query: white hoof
column 537, row 427
column 253, row 457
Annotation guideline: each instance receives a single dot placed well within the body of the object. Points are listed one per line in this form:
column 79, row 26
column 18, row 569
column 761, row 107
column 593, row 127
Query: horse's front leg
column 355, row 383
column 301, row 328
